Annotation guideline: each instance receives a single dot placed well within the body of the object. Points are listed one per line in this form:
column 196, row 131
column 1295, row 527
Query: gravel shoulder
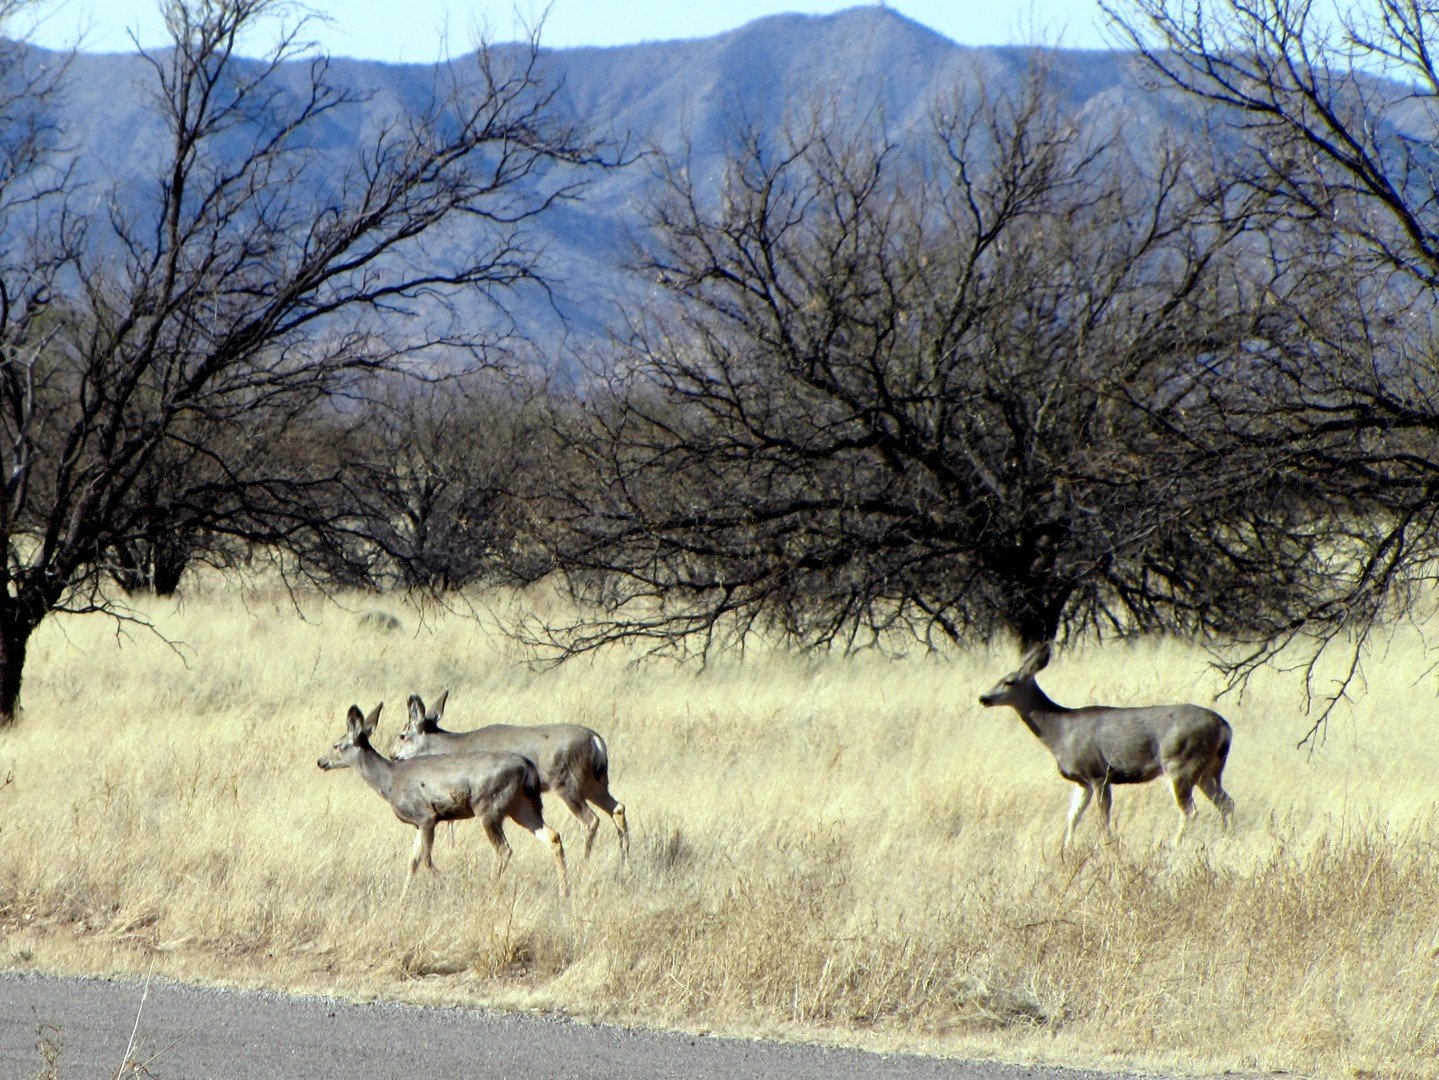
column 221, row 1034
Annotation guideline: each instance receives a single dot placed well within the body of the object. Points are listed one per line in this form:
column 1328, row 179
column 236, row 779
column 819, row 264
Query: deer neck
column 377, row 770
column 1040, row 713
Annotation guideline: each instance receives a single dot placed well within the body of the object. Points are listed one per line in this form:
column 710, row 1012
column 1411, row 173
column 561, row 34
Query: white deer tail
column 602, row 758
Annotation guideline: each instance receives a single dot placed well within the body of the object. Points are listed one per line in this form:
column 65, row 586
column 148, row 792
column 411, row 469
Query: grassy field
column 846, row 850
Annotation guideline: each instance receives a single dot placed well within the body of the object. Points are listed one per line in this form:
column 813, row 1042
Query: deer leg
column 1216, row 794
column 607, row 802
column 495, row 834
column 1184, row 796
column 548, row 836
column 429, row 849
column 1077, row 805
column 1106, row 805
column 526, row 814
column 424, row 840
column 581, row 809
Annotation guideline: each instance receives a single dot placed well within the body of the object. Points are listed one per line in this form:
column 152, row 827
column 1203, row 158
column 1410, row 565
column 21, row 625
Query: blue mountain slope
column 677, row 97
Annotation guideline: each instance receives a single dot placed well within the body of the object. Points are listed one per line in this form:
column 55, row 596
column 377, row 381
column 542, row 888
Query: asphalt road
column 199, row 1033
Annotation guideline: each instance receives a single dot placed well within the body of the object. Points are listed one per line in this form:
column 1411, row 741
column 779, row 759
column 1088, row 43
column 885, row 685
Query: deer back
column 552, row 747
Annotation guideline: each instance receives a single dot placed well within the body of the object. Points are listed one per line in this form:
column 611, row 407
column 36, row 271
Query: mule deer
column 1098, row 746
column 573, row 761
column 426, row 791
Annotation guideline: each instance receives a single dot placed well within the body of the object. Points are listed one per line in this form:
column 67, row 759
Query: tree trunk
column 152, row 566
column 169, row 559
column 14, row 640
column 129, row 569
column 1039, row 613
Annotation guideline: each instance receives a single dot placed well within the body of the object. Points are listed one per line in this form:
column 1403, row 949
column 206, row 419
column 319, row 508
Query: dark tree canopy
column 948, row 385
column 436, row 481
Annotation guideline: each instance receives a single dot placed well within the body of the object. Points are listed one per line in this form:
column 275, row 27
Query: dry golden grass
column 836, row 849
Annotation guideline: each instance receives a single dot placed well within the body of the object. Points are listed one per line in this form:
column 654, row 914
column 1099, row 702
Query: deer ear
column 438, row 712
column 1035, row 660
column 354, row 719
column 368, row 724
column 417, row 711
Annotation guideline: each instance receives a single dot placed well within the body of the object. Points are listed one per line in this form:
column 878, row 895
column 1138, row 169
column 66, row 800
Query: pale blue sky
column 416, row 31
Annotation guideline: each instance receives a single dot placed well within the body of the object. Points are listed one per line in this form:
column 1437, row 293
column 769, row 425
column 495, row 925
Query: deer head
column 421, row 722
column 1009, row 689
column 358, row 729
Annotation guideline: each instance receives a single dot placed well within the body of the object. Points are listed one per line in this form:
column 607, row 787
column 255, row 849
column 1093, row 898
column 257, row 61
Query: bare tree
column 206, row 313
column 1330, row 117
column 946, row 385
column 1334, row 110
column 438, row 477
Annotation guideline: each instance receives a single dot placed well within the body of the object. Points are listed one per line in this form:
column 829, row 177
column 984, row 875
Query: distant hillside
column 662, row 94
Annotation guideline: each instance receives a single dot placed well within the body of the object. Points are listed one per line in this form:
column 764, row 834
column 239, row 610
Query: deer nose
column 986, row 700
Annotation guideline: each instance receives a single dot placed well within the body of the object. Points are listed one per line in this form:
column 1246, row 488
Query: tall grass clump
column 843, row 849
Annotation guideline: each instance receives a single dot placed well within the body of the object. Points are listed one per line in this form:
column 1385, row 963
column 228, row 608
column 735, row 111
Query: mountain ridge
column 676, row 96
